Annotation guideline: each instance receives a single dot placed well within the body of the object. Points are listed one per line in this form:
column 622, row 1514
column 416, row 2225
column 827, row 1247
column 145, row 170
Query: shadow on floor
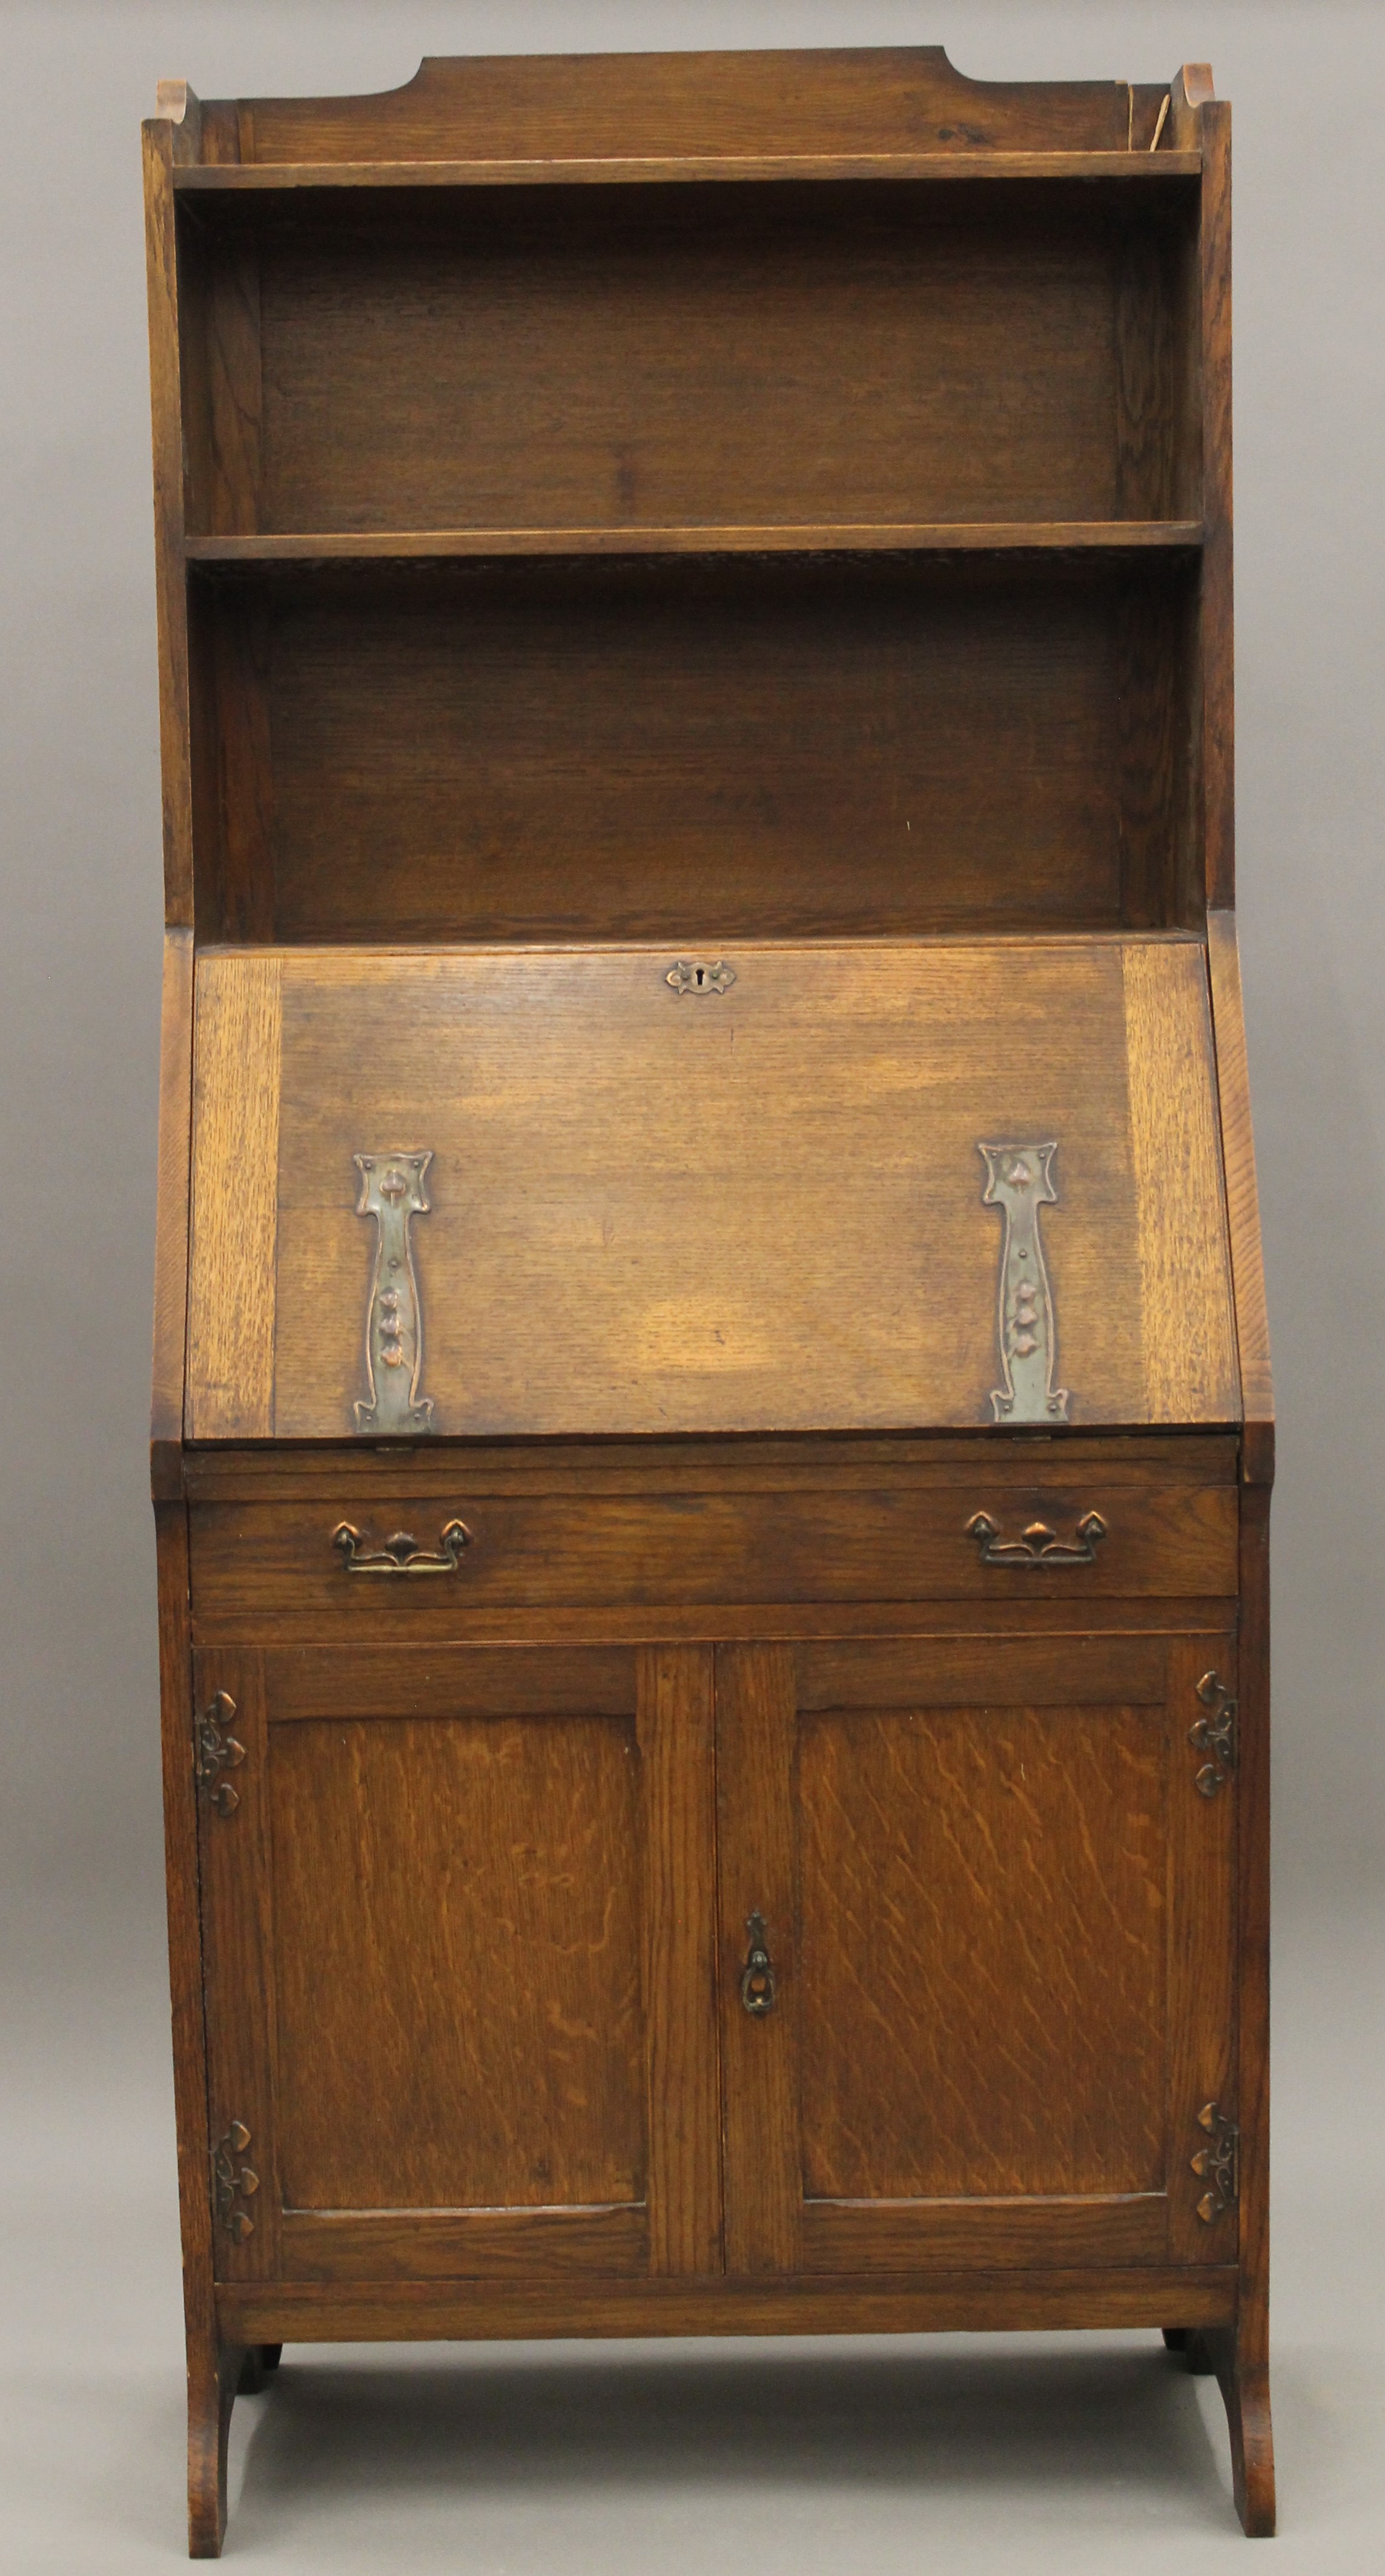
column 497, row 2423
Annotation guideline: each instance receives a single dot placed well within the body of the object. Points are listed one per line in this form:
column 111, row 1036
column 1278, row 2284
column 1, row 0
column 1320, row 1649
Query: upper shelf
column 985, row 536
column 609, row 171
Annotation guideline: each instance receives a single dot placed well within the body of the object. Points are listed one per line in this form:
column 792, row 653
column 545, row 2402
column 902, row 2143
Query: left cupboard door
column 458, row 1938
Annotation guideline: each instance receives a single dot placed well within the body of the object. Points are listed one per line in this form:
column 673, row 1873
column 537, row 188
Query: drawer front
column 419, row 1565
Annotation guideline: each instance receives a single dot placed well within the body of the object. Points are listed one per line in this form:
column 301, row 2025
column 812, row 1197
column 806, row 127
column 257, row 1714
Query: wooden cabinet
column 712, row 1427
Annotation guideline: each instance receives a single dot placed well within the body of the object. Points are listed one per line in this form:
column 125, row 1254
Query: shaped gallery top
column 639, row 1190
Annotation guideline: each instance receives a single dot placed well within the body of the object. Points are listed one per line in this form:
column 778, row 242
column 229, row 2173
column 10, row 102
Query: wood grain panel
column 1129, row 169
column 531, row 2245
column 903, row 2236
column 975, row 1672
column 276, row 1563
column 165, row 385
column 755, row 1863
column 369, row 1478
column 682, row 2115
column 238, row 1956
column 185, row 1962
column 174, row 1208
column 838, row 99
column 231, row 1315
column 757, row 1212
column 1185, row 1286
column 456, row 1681
column 983, row 1916
column 1202, row 1951
column 410, row 369
column 458, row 1958
column 873, row 745
column 1008, row 2300
column 1242, row 1195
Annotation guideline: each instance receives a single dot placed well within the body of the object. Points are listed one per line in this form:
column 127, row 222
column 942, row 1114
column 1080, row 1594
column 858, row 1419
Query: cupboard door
column 996, row 1906
column 458, row 1923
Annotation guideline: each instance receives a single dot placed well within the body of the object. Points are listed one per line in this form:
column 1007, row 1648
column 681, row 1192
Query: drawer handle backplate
column 1037, row 1545
column 402, row 1553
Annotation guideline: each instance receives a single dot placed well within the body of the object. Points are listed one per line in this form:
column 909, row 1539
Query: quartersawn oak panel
column 457, row 1949
column 760, row 1210
column 982, row 1914
column 532, row 357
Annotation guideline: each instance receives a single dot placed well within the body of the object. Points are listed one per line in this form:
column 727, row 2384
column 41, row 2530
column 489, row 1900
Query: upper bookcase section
column 932, row 375
column 381, row 340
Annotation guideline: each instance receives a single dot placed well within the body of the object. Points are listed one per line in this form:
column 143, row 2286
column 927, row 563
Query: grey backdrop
column 705, row 2460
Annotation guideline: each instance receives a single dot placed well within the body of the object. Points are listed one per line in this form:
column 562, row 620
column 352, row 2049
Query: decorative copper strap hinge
column 217, row 1751
column 1218, row 2164
column 1214, row 1733
column 232, row 2183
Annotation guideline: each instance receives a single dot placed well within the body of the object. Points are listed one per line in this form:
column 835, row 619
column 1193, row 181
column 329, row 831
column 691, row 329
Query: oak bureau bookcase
column 712, row 1428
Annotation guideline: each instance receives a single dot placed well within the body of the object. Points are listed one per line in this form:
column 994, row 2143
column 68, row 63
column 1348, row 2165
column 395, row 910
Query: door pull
column 757, row 1976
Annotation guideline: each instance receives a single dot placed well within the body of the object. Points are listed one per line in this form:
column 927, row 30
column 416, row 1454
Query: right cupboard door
column 977, row 1935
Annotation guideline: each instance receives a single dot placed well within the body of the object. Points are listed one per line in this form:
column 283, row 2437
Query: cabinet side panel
column 1242, row 1196
column 1253, row 1798
column 1218, row 687
column 166, row 395
column 1202, row 1947
column 184, row 1932
column 171, row 1241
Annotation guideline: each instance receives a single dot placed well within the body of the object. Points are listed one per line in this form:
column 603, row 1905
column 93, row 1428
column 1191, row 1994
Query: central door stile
column 756, row 1728
column 683, row 2186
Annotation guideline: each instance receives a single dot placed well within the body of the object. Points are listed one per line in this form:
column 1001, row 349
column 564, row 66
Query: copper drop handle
column 401, row 1554
column 757, row 1976
column 1038, row 1544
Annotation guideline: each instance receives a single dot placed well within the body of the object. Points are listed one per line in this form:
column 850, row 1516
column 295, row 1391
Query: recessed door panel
column 457, row 1966
column 984, row 1922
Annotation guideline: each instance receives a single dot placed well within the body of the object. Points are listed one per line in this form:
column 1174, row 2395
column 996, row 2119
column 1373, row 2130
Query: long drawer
column 366, row 1565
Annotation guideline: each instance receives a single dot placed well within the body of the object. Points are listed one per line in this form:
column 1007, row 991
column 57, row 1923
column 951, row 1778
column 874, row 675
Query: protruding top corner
column 176, row 103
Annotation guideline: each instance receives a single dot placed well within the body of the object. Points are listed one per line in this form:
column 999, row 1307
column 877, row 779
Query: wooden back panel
column 752, row 1210
column 675, row 749
column 641, row 356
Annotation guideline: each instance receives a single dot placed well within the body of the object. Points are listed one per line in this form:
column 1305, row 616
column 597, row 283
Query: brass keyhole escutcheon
column 757, row 1976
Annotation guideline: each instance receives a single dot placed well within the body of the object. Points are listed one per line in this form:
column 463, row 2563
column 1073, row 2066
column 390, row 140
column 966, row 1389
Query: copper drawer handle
column 402, row 1553
column 1038, row 1545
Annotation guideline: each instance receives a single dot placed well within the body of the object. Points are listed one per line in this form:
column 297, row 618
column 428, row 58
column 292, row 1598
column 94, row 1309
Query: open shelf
column 603, row 171
column 983, row 536
column 840, row 743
